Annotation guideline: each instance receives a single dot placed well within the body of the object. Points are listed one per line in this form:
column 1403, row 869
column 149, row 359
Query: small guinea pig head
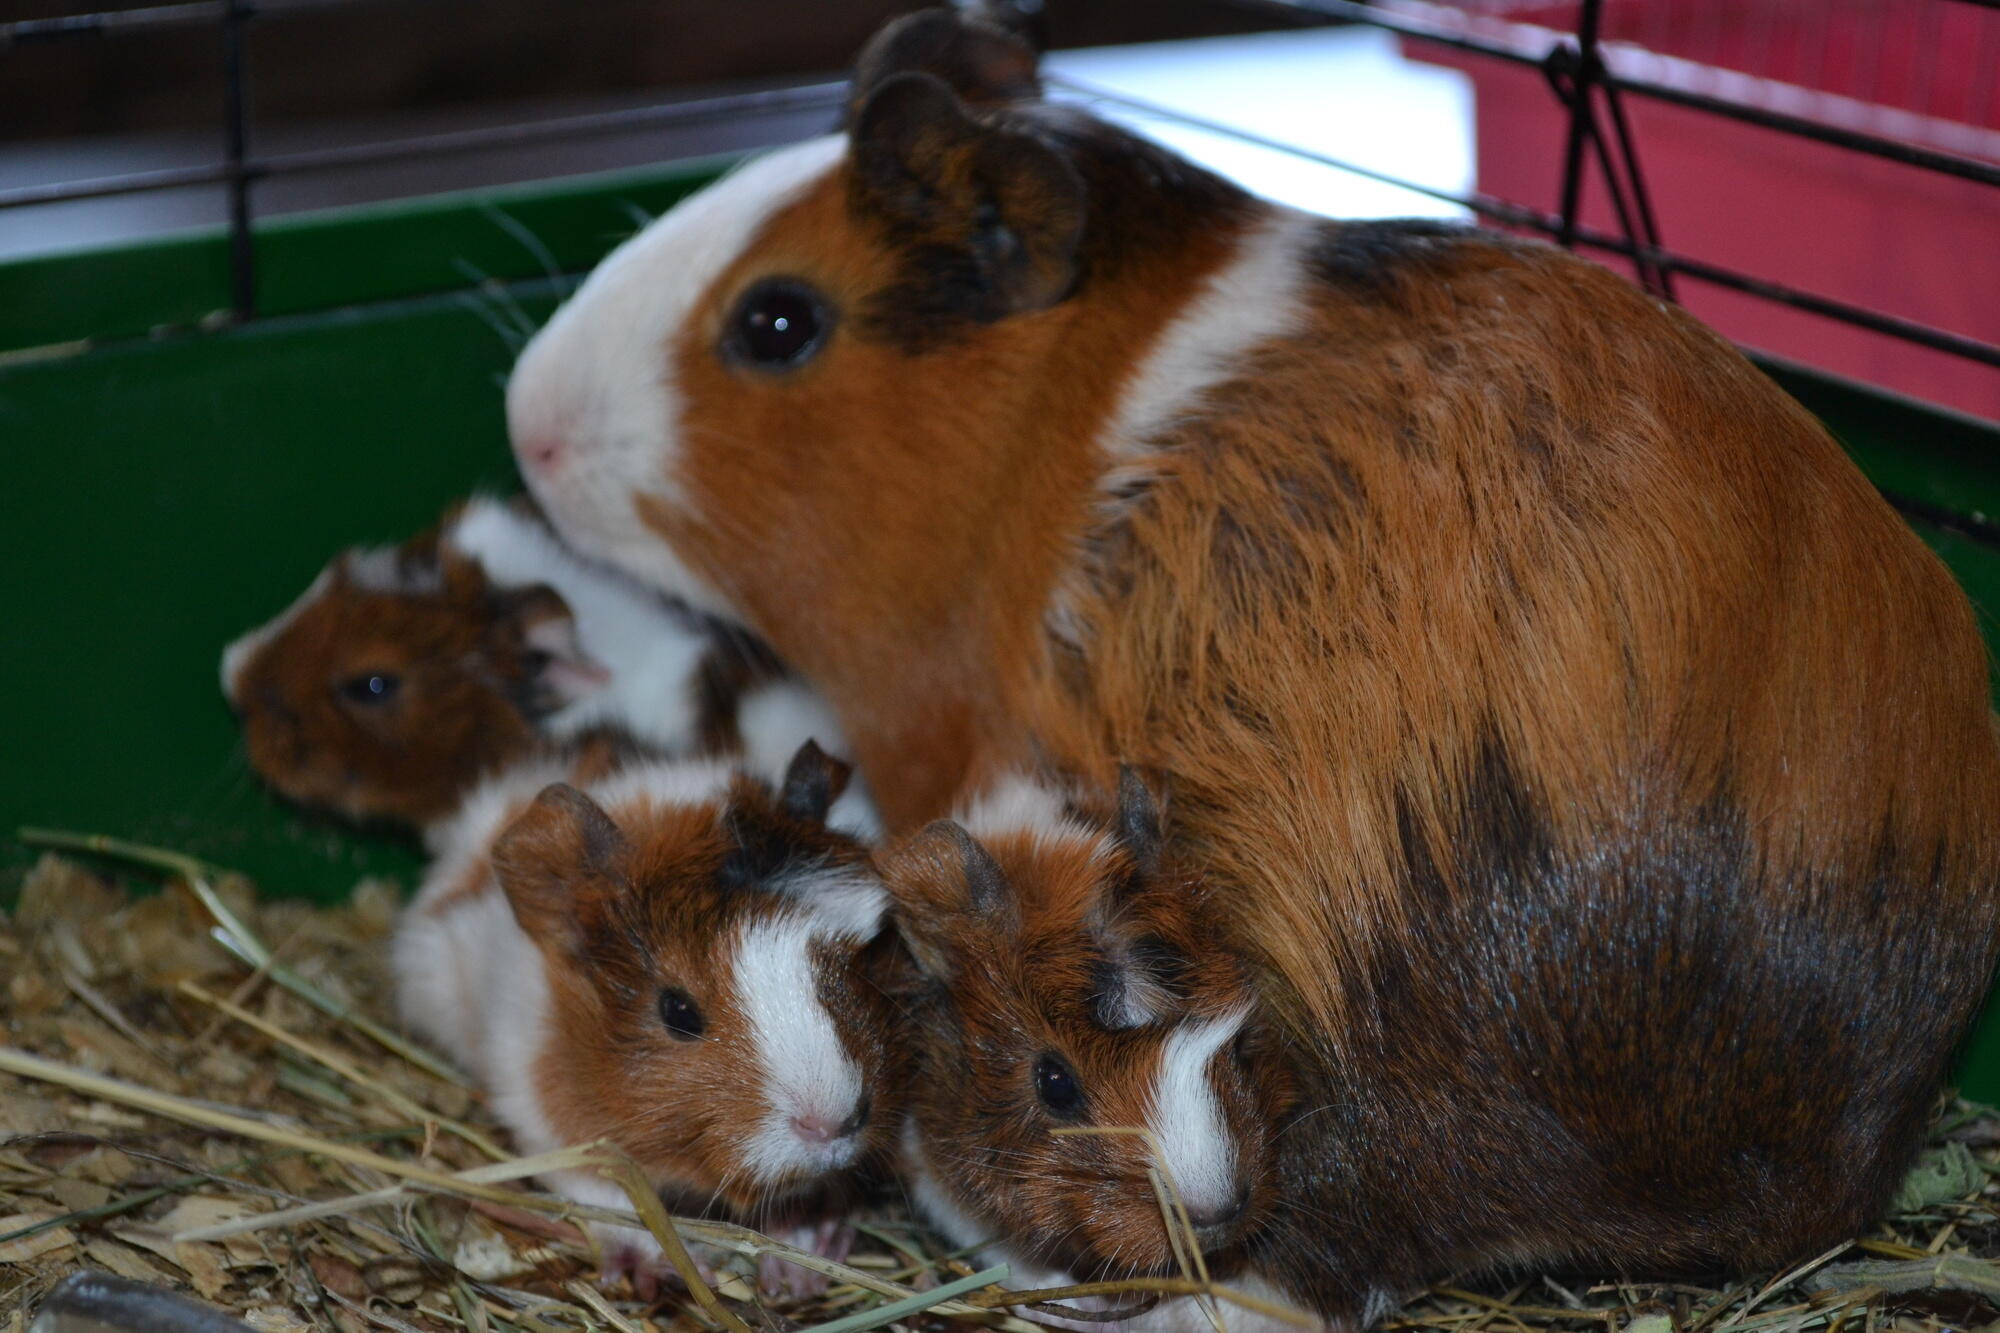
column 399, row 678
column 709, row 945
column 1077, row 983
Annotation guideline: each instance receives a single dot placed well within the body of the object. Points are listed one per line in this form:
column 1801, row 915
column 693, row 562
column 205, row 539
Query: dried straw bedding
column 204, row 1089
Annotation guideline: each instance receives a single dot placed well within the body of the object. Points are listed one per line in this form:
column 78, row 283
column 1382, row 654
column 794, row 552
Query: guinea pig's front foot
column 779, row 1280
column 635, row 1257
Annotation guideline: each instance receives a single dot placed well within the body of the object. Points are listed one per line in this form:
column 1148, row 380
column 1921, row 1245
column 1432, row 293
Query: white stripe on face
column 805, row 1071
column 599, row 375
column 1186, row 1118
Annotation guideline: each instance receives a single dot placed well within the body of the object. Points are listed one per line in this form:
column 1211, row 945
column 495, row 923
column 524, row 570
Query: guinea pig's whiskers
column 721, row 1190
column 533, row 244
column 502, row 301
column 642, row 218
column 903, row 1011
column 511, row 338
column 1300, row 1120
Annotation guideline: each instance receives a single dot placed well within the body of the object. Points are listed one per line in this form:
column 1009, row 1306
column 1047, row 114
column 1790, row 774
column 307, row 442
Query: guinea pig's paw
column 635, row 1257
column 776, row 1279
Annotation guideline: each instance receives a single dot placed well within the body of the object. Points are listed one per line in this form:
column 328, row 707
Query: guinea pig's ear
column 540, row 621
column 813, row 781
column 981, row 63
column 986, row 888
column 1005, row 209
column 552, row 859
column 462, row 582
column 1139, row 827
column 972, row 880
column 936, row 878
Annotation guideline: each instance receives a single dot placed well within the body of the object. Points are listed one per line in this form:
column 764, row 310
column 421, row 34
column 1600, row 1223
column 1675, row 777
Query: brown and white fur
column 1073, row 979
column 404, row 674
column 564, row 937
column 1603, row 773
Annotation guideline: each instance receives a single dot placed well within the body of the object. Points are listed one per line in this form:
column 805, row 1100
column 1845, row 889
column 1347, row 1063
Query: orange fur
column 1602, row 773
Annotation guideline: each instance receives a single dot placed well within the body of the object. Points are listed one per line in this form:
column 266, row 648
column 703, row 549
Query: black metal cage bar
column 1591, row 93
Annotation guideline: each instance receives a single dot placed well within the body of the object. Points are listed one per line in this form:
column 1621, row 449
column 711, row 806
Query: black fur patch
column 1694, row 1069
column 763, row 848
column 736, row 662
column 1365, row 259
column 1141, row 199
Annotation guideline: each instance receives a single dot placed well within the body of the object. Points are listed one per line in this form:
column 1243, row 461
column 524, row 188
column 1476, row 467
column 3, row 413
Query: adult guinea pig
column 671, row 958
column 402, row 675
column 1601, row 772
column 1074, row 987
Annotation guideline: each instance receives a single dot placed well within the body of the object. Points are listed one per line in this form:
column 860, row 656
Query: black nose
column 1222, row 1216
column 855, row 1123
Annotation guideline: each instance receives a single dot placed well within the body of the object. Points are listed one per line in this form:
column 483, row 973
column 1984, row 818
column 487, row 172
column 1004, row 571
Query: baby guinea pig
column 398, row 678
column 402, row 675
column 673, row 958
column 1073, row 978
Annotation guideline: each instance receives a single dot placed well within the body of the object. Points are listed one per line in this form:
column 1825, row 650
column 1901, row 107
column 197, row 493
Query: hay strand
column 360, row 1204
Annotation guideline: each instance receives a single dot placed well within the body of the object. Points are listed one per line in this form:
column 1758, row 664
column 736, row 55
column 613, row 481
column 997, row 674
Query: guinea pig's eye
column 681, row 1014
column 1058, row 1088
column 370, row 687
column 778, row 324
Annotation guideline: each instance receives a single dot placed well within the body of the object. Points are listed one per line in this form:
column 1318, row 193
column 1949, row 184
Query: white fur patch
column 1138, row 998
column 806, row 1070
column 666, row 782
column 599, row 376
column 467, row 977
column 1257, row 296
column 1198, row 1151
column 651, row 651
column 844, row 904
column 1020, row 803
column 777, row 718
column 774, row 720
column 383, row 569
column 238, row 654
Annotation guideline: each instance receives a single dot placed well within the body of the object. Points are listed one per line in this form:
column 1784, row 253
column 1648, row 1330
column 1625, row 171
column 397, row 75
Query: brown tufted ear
column 995, row 215
column 977, row 61
column 986, row 886
column 553, row 859
column 938, row 877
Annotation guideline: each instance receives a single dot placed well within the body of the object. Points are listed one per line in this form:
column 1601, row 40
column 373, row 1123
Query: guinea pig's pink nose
column 817, row 1127
column 540, row 450
column 1216, row 1218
